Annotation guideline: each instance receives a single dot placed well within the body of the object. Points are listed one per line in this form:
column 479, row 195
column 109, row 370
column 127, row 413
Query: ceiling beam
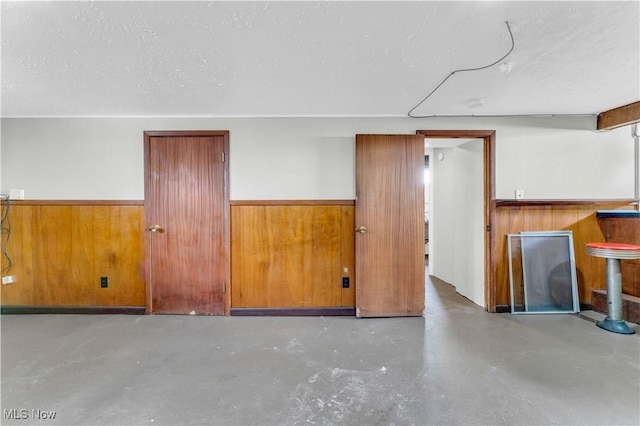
column 620, row 116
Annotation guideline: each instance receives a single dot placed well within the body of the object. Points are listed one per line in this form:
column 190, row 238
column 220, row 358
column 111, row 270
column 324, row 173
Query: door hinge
column 488, row 228
column 223, row 156
column 224, row 287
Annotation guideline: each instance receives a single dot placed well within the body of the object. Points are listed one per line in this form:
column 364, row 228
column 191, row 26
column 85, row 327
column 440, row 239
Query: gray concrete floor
column 457, row 365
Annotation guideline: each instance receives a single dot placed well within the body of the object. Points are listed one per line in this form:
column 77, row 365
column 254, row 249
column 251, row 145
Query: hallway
column 457, row 365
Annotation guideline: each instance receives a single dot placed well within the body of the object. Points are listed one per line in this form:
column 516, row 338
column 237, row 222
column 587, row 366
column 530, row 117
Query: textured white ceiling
column 316, row 58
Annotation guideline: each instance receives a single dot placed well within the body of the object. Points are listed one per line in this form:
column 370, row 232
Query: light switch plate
column 16, row 194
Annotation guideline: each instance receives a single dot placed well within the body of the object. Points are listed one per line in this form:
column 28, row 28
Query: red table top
column 614, row 246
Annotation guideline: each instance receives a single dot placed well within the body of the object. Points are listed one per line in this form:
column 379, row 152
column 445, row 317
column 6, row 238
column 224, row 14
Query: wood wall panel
column 625, row 230
column 119, row 254
column 348, row 254
column 60, row 251
column 285, row 256
column 579, row 218
column 53, row 277
column 21, row 250
column 83, row 253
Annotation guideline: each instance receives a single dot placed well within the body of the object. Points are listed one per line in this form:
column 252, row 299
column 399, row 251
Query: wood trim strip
column 76, row 202
column 293, row 202
column 178, row 133
column 618, row 117
column 524, row 203
column 226, row 218
column 491, row 225
column 75, row 310
column 294, row 312
column 455, row 134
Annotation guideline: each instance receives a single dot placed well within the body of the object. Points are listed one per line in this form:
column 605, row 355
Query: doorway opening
column 461, row 179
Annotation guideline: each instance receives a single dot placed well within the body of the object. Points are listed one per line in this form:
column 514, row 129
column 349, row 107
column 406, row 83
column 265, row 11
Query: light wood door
column 186, row 214
column 389, row 225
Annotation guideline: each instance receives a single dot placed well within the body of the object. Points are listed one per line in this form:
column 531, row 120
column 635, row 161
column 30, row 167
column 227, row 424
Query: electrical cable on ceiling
column 5, row 231
column 513, row 45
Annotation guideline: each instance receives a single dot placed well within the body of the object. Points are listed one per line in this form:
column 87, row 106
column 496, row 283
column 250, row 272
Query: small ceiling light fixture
column 475, row 103
column 506, row 67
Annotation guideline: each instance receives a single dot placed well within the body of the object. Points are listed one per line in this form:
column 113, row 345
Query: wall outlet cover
column 345, row 282
column 16, row 194
column 7, row 280
column 519, row 194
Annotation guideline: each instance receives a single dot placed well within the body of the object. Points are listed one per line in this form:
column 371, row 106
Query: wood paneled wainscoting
column 61, row 249
column 513, row 217
column 290, row 257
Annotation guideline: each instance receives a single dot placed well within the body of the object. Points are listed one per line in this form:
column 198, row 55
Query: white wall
column 1, row 187
column 564, row 163
column 442, row 221
column 73, row 159
column 458, row 219
column 469, row 212
column 305, row 158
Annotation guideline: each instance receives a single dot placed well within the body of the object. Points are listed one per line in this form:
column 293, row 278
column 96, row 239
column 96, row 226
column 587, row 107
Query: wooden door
column 186, row 215
column 389, row 225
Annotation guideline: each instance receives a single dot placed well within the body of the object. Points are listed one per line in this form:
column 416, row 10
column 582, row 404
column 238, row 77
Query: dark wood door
column 186, row 215
column 389, row 225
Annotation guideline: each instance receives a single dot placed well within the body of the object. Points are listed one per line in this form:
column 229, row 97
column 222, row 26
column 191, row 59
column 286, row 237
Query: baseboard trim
column 505, row 309
column 586, row 307
column 293, row 312
column 78, row 310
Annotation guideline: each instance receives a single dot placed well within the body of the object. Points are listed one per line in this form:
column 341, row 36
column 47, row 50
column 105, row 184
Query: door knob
column 361, row 229
column 156, row 228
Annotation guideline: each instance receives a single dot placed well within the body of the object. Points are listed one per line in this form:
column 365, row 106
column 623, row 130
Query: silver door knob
column 361, row 229
column 156, row 228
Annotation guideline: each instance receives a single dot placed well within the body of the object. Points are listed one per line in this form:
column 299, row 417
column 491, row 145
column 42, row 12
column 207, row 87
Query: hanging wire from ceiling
column 513, row 45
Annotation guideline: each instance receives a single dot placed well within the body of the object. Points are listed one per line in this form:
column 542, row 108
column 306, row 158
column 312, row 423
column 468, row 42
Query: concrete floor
column 457, row 365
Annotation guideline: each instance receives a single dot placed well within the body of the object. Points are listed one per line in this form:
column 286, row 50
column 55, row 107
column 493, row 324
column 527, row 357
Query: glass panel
column 543, row 278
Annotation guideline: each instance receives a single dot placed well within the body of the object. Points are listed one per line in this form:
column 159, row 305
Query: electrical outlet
column 16, row 194
column 104, row 282
column 345, row 282
column 7, row 280
column 519, row 194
